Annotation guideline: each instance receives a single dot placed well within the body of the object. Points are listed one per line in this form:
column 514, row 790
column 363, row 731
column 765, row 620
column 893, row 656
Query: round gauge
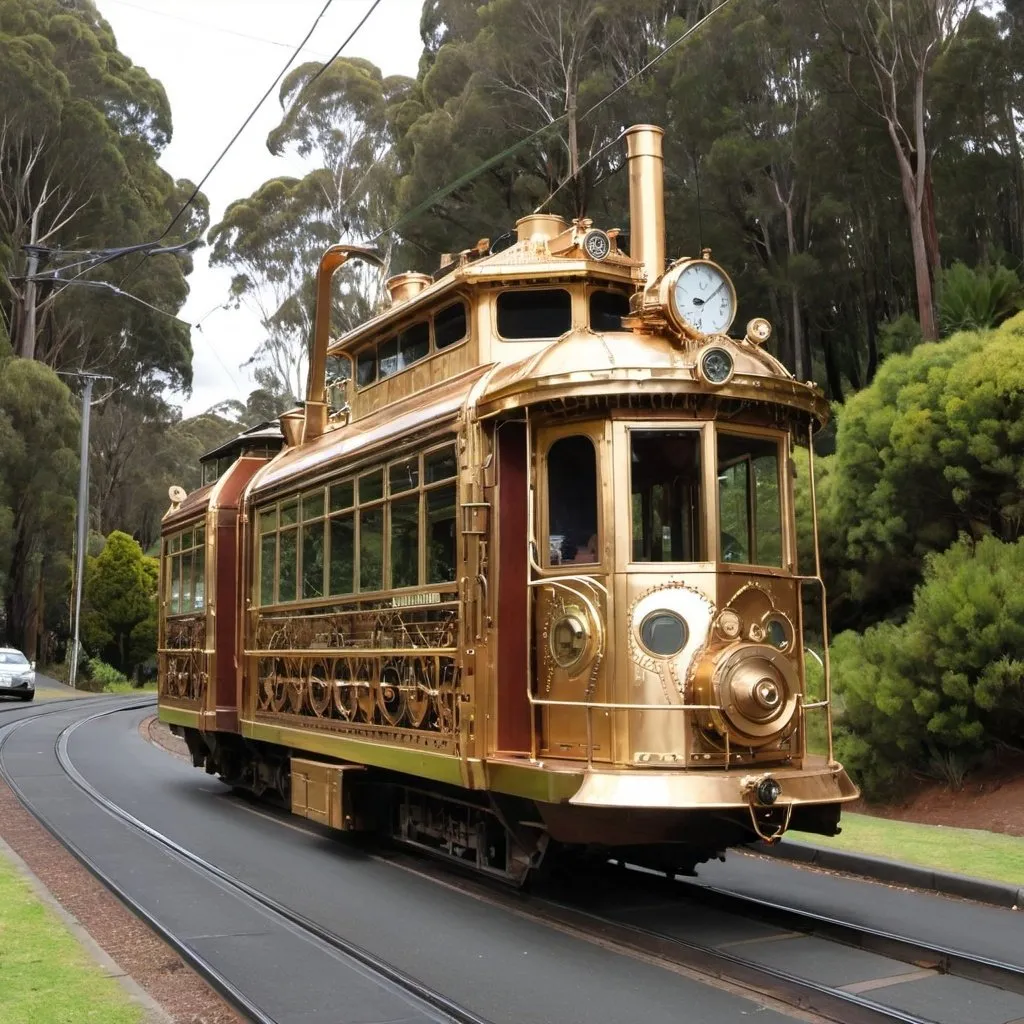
column 703, row 299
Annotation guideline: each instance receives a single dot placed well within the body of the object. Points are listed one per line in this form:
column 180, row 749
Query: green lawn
column 45, row 975
column 963, row 851
column 128, row 688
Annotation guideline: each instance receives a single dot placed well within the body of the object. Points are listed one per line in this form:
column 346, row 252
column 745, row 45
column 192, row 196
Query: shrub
column 939, row 692
column 972, row 300
column 99, row 676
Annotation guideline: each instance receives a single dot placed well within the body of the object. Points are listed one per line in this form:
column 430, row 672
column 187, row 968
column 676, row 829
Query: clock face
column 703, row 298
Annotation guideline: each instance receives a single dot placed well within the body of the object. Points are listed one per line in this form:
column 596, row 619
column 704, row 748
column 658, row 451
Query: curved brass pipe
column 315, row 413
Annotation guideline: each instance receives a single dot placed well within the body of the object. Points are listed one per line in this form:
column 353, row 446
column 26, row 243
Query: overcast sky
column 216, row 58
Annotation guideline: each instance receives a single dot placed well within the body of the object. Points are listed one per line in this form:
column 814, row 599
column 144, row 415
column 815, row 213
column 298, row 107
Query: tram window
column 313, row 559
column 404, row 475
column 440, row 522
column 413, row 344
column 175, row 601
column 313, row 505
column 749, row 507
column 198, row 580
column 371, row 548
column 339, row 368
column 665, row 495
column 388, row 358
column 572, row 501
column 534, row 314
column 607, row 309
column 209, row 473
column 366, row 367
column 287, row 572
column 268, row 567
column 290, row 512
column 449, row 325
column 440, row 465
column 341, row 496
column 371, row 486
column 405, row 541
column 185, row 554
column 342, row 554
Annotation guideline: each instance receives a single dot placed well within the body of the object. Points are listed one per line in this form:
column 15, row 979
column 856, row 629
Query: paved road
column 506, row 968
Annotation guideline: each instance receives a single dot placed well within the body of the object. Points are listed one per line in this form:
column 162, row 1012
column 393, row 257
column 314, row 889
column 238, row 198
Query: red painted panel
column 513, row 604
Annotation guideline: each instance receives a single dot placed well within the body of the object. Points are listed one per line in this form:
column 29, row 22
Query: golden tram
column 521, row 576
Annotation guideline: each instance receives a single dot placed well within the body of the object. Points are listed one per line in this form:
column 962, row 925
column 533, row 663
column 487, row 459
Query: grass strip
column 962, row 851
column 45, row 975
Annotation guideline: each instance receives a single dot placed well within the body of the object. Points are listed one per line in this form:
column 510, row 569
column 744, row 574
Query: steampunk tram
column 522, row 577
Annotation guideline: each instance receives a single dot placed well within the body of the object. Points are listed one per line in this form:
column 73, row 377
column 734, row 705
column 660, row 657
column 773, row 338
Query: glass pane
column 199, row 581
column 186, row 582
column 342, row 554
column 200, row 539
column 290, row 512
column 665, row 495
column 288, row 580
column 268, row 567
column 339, row 368
column 387, row 354
column 209, row 473
column 371, row 549
column 607, row 310
column 405, row 542
column 450, row 325
column 414, row 344
column 404, row 475
column 440, row 529
column 268, row 521
column 749, row 508
column 313, row 505
column 440, row 465
column 342, row 496
column 371, row 486
column 572, row 501
column 224, row 464
column 313, row 559
column 366, row 367
column 175, row 543
column 536, row 314
column 175, row 596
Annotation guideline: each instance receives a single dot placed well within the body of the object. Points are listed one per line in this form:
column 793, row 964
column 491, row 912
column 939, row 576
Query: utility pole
column 83, row 515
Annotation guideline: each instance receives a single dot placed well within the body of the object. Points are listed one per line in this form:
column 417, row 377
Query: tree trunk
column 25, row 344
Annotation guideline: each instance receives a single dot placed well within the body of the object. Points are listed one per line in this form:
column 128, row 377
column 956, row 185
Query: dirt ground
column 991, row 799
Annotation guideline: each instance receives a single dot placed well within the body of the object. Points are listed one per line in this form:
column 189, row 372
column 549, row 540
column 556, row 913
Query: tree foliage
column 946, row 687
column 120, row 606
column 934, row 448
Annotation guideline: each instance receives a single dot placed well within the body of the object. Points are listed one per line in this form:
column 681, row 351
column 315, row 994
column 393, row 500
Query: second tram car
column 522, row 578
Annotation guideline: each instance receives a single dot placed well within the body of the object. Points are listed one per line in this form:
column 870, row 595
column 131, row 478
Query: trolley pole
column 83, row 518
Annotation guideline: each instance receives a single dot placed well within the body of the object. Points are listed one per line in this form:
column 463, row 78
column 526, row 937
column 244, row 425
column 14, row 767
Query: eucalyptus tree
column 338, row 119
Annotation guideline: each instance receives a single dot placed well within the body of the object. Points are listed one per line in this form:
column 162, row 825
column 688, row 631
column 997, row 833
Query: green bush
column 972, row 300
column 933, row 448
column 937, row 694
column 99, row 676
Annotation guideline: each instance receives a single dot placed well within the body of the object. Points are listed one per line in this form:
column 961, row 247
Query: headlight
column 778, row 631
column 663, row 634
column 729, row 624
column 569, row 636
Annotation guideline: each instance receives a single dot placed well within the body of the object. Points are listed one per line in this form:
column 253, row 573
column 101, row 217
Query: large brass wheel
column 346, row 703
column 391, row 695
column 420, row 681
column 319, row 684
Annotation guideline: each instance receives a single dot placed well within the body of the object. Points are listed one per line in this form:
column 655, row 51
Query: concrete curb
column 894, row 872
column 153, row 1011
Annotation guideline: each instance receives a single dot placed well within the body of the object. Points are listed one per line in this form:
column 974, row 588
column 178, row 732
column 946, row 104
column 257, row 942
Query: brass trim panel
column 180, row 716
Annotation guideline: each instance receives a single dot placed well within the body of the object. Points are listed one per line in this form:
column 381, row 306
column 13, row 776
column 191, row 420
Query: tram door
column 569, row 590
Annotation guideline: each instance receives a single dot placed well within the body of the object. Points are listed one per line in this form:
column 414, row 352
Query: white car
column 17, row 674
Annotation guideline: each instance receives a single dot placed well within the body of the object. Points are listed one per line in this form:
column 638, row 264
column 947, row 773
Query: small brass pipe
column 315, row 413
column 647, row 198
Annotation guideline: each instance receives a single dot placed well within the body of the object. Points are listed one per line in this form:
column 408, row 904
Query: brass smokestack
column 646, row 198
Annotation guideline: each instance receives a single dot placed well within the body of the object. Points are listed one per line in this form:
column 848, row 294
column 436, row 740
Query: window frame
column 783, row 447
column 174, row 562
column 353, row 509
column 546, row 438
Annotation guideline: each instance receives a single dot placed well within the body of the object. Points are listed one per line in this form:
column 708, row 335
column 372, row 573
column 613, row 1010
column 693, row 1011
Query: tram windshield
column 665, row 495
column 572, row 501
column 749, row 507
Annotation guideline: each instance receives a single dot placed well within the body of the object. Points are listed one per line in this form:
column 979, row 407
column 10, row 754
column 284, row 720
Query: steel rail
column 942, row 959
column 394, row 975
column 217, row 981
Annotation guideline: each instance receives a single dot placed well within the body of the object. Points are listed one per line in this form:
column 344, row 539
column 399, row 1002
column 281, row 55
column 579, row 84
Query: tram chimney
column 647, row 198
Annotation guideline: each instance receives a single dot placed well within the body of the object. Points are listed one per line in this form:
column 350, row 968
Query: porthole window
column 663, row 633
column 534, row 314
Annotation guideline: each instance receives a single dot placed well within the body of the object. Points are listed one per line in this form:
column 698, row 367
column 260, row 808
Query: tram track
column 573, row 913
column 443, row 1009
